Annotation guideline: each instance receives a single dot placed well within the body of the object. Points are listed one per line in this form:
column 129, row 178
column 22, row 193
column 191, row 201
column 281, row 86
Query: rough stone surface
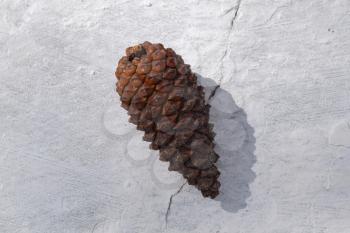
column 283, row 69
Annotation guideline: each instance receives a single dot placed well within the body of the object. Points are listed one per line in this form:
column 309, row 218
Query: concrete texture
column 71, row 163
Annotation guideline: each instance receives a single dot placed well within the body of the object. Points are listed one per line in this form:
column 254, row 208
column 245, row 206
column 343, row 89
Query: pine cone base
column 163, row 99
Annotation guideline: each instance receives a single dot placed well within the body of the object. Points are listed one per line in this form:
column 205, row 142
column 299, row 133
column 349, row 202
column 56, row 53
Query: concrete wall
column 71, row 163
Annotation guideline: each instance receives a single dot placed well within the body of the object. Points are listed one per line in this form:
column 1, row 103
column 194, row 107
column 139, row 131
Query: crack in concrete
column 236, row 13
column 213, row 92
column 171, row 201
column 94, row 228
column 232, row 23
column 228, row 11
column 275, row 12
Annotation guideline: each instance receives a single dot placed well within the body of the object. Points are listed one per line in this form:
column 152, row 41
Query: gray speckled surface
column 71, row 163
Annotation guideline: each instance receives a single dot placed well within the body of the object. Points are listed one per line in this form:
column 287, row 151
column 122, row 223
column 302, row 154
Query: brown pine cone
column 163, row 99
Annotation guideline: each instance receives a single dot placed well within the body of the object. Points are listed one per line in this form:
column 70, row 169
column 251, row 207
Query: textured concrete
column 71, row 163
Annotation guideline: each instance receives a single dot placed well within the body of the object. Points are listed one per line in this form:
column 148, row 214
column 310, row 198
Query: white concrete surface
column 71, row 163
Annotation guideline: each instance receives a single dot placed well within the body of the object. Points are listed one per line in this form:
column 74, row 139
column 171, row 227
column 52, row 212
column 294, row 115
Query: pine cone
column 163, row 99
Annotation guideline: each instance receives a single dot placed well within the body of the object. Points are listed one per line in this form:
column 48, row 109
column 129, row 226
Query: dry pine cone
column 163, row 99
